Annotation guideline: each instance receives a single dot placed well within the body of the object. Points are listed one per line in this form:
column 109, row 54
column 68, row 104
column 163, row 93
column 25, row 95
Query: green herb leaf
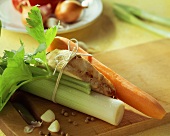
column 8, row 54
column 14, row 65
column 35, row 26
column 36, row 29
column 1, row 70
column 16, row 73
column 40, row 48
column 50, row 35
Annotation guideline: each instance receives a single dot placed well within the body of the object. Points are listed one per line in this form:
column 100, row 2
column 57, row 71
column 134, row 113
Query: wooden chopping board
column 146, row 65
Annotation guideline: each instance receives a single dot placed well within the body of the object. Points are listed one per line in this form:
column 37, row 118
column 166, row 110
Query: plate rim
column 72, row 29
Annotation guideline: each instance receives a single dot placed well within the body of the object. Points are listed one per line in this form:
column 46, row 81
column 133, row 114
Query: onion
column 68, row 11
column 19, row 3
column 24, row 15
column 46, row 11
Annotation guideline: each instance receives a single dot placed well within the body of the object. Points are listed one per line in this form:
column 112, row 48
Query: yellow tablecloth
column 106, row 33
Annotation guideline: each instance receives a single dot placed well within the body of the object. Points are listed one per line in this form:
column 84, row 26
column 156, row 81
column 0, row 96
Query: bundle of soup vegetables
column 59, row 71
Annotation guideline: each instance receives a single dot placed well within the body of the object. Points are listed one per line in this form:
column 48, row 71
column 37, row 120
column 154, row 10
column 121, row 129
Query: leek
column 145, row 15
column 126, row 15
column 97, row 105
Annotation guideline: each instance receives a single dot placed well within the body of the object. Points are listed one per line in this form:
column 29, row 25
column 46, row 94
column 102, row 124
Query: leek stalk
column 146, row 15
column 125, row 14
column 97, row 105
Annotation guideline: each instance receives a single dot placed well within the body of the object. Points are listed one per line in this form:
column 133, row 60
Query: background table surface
column 105, row 34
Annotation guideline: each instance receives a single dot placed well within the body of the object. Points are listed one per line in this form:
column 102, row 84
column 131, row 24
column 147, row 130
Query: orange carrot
column 125, row 90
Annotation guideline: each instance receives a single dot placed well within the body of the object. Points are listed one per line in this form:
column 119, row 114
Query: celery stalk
column 146, row 15
column 65, row 80
column 125, row 15
column 95, row 104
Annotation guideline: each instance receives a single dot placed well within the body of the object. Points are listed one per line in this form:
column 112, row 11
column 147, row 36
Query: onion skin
column 45, row 10
column 44, row 2
column 24, row 15
column 18, row 4
column 68, row 11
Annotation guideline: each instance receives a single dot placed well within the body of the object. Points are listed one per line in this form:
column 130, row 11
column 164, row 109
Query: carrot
column 125, row 90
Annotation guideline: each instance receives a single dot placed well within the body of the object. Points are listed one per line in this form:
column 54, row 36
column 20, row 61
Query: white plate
column 11, row 19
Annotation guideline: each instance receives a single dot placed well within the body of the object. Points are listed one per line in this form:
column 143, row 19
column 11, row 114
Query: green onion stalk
column 131, row 15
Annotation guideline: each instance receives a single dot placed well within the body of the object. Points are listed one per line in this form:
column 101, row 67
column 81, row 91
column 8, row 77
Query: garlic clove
column 54, row 127
column 48, row 116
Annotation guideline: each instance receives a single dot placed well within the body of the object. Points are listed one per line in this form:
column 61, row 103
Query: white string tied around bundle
column 62, row 60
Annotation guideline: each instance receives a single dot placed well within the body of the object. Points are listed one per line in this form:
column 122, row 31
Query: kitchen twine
column 61, row 62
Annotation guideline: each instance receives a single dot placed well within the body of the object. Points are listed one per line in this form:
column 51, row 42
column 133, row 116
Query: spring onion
column 97, row 105
column 146, row 15
column 125, row 13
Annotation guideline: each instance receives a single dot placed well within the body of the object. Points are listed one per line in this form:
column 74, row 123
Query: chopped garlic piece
column 48, row 116
column 54, row 127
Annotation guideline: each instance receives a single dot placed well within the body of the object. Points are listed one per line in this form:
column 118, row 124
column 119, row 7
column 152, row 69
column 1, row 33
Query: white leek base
column 94, row 104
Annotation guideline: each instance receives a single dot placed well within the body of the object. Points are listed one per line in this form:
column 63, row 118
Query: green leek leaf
column 124, row 14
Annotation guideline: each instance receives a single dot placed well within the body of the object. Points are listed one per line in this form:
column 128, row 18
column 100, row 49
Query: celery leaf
column 35, row 26
column 50, row 35
column 15, row 65
column 16, row 73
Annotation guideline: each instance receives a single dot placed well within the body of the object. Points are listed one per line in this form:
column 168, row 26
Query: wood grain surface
column 146, row 65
